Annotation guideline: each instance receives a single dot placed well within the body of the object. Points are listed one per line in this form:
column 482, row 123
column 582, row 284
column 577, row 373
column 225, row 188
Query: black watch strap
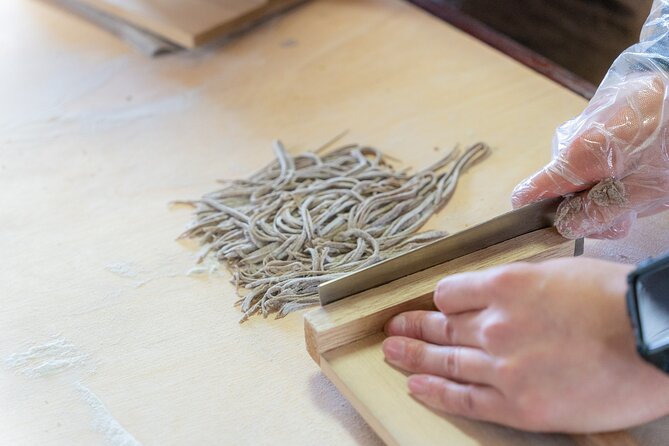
column 648, row 306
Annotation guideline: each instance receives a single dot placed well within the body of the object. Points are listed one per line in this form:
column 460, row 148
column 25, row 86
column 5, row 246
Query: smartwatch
column 648, row 306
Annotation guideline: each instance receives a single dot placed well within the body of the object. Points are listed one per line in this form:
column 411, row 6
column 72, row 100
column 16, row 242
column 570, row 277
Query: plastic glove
column 614, row 157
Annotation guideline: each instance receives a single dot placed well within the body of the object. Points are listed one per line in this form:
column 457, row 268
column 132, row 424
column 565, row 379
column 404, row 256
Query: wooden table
column 103, row 333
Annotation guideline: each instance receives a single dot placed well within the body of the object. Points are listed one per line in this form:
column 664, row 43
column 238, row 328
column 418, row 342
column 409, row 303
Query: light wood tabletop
column 105, row 338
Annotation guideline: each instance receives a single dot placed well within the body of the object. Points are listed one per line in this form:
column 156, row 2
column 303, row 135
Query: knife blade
column 512, row 224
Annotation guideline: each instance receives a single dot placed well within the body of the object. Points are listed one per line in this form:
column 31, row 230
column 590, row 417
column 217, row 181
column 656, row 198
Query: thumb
column 619, row 229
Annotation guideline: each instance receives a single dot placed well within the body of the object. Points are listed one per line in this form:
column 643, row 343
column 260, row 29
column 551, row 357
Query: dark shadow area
column 583, row 36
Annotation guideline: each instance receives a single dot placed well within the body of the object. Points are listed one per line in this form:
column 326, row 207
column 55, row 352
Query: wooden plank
column 345, row 339
column 96, row 140
column 188, row 23
column 365, row 313
column 622, row 438
column 378, row 392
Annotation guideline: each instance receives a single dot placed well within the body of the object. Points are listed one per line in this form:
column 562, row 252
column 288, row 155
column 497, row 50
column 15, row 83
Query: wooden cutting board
column 345, row 339
column 192, row 22
column 378, row 392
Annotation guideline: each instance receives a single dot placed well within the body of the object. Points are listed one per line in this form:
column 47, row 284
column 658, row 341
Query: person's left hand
column 541, row 347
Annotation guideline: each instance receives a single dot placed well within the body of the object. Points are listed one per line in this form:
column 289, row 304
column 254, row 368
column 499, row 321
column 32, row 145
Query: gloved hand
column 614, row 157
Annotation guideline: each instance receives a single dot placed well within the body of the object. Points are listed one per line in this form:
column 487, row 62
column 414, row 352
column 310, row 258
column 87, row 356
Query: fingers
column 609, row 209
column 619, row 229
column 460, row 363
column 464, row 292
column 466, row 400
column 579, row 217
column 658, row 207
column 549, row 182
column 582, row 164
column 436, row 328
column 587, row 160
column 600, row 143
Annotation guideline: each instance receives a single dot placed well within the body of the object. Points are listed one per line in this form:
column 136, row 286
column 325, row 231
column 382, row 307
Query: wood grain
column 345, row 339
column 606, row 439
column 378, row 392
column 365, row 313
column 96, row 140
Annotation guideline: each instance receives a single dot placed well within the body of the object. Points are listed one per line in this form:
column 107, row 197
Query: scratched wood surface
column 95, row 140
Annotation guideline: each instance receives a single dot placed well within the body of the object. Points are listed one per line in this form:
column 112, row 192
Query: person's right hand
column 614, row 157
column 538, row 346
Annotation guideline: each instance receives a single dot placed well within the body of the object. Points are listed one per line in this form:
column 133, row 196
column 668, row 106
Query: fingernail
column 418, row 385
column 393, row 348
column 396, row 325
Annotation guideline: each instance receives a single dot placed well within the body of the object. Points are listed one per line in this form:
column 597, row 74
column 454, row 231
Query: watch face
column 653, row 305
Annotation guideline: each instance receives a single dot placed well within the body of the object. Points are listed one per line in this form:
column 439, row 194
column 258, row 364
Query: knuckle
column 445, row 399
column 461, row 402
column 415, row 354
column 449, row 331
column 509, row 276
column 415, row 327
column 495, row 331
column 452, row 361
column 467, row 401
column 466, row 404
column 508, row 374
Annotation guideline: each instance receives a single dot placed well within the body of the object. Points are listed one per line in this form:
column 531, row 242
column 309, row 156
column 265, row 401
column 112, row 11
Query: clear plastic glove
column 612, row 161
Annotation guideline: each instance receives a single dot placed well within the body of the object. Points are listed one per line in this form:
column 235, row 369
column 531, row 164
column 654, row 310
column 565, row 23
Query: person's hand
column 617, row 153
column 614, row 156
column 541, row 347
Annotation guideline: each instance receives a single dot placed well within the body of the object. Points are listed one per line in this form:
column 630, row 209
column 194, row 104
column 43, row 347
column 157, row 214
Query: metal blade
column 521, row 221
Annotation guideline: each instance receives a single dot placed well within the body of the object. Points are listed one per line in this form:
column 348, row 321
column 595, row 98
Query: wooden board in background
column 192, row 22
